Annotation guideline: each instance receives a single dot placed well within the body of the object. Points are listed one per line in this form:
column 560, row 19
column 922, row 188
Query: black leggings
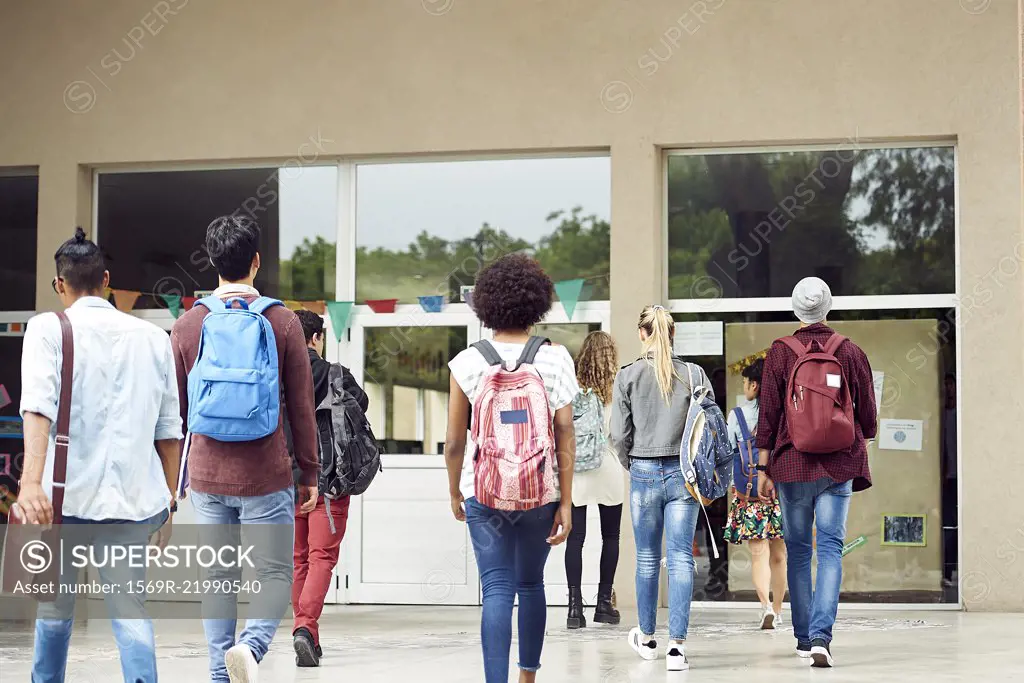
column 611, row 518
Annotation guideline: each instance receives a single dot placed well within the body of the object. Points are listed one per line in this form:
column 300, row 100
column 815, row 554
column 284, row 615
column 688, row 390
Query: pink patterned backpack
column 515, row 466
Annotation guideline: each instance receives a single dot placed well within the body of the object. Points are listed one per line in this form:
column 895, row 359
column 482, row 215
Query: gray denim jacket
column 643, row 425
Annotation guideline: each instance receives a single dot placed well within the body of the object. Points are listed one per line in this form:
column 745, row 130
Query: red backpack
column 819, row 410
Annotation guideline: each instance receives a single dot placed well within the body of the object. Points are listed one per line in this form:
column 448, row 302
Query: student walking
column 650, row 403
column 598, row 478
column 752, row 520
column 121, row 447
column 515, row 491
column 817, row 408
column 238, row 357
column 319, row 532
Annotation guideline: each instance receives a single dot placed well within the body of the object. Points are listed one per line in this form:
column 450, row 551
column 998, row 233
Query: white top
column 606, row 484
column 750, row 412
column 124, row 397
column 552, row 362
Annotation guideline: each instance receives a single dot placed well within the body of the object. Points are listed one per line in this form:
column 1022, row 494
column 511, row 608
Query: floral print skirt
column 753, row 520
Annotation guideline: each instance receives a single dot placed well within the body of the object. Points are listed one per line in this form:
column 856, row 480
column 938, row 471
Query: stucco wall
column 254, row 80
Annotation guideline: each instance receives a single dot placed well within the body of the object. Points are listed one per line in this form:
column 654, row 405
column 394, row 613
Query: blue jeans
column 134, row 637
column 659, row 502
column 511, row 549
column 272, row 557
column 805, row 505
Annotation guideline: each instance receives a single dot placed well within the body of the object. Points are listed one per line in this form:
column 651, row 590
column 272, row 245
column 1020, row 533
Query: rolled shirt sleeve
column 168, row 424
column 41, row 359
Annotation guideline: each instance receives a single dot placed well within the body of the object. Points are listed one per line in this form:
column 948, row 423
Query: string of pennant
column 569, row 292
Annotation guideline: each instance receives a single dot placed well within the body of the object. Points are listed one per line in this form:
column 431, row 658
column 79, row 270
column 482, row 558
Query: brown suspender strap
column 63, row 440
column 794, row 344
column 833, row 343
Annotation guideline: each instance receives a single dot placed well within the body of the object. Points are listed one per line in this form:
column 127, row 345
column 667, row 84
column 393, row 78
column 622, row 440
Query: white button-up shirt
column 124, row 397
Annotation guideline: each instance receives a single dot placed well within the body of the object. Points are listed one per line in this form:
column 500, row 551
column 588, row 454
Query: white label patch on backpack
column 833, row 380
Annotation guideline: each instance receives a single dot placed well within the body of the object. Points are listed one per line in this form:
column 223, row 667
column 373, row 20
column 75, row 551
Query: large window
column 868, row 221
column 152, row 228
column 427, row 228
column 19, row 200
column 878, row 224
column 11, row 442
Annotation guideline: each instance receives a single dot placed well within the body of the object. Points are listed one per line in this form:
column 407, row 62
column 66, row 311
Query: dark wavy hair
column 232, row 243
column 311, row 323
column 513, row 293
column 80, row 263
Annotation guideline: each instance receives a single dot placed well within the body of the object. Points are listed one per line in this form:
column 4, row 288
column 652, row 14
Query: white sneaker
column 768, row 619
column 241, row 665
column 675, row 658
column 647, row 650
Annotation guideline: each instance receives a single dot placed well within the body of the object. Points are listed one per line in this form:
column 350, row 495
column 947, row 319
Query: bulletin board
column 906, row 481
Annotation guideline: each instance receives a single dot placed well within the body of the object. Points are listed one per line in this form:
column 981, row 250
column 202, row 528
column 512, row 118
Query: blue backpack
column 588, row 420
column 705, row 455
column 744, row 461
column 233, row 388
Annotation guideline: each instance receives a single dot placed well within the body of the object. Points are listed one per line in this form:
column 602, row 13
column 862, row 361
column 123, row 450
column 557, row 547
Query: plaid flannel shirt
column 790, row 465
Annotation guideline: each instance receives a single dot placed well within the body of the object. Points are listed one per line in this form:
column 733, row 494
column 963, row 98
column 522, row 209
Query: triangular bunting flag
column 314, row 306
column 106, row 293
column 432, row 304
column 569, row 294
column 3, row 327
column 125, row 299
column 187, row 302
column 339, row 312
column 292, row 305
column 173, row 303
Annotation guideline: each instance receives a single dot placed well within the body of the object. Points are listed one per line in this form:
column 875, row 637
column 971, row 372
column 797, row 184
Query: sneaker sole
column 768, row 623
column 677, row 666
column 821, row 660
column 236, row 665
column 305, row 656
column 803, row 654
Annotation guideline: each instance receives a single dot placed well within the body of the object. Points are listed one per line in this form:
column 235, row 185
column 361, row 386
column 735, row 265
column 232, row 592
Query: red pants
column 316, row 555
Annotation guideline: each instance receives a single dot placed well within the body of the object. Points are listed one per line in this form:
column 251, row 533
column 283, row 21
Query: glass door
column 403, row 546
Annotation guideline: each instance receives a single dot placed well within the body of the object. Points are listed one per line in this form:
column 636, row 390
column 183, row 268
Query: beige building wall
column 237, row 80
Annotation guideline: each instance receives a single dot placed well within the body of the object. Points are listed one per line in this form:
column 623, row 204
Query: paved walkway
column 429, row 644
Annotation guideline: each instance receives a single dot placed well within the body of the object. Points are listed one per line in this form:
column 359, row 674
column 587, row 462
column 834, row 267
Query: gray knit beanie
column 812, row 300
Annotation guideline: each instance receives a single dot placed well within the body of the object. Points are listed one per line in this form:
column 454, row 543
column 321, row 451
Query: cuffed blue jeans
column 660, row 504
column 272, row 557
column 134, row 637
column 511, row 549
column 805, row 505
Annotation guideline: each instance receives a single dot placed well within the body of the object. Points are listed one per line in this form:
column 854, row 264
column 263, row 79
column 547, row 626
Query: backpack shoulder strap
column 212, row 303
column 793, row 343
column 262, row 303
column 833, row 343
column 530, row 350
column 697, row 389
column 744, row 429
column 487, row 351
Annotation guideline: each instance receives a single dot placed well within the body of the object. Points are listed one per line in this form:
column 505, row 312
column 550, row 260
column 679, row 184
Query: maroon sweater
column 253, row 468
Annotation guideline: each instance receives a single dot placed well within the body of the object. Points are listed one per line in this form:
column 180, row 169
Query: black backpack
column 349, row 453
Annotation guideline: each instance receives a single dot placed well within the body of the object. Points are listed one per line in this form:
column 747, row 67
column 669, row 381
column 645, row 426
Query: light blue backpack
column 233, row 388
column 705, row 454
column 588, row 420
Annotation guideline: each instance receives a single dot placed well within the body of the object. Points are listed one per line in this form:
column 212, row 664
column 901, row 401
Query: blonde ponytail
column 657, row 323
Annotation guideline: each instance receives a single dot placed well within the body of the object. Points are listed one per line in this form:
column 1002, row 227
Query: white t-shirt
column 750, row 412
column 554, row 364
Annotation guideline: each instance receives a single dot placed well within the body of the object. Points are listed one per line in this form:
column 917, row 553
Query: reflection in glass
column 406, row 377
column 152, row 228
column 569, row 335
column 427, row 228
column 19, row 199
column 11, row 450
column 867, row 221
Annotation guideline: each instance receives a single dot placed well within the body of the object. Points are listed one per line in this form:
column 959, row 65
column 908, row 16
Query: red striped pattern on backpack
column 514, row 467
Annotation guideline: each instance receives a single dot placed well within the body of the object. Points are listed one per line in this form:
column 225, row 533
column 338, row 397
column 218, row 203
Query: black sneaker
column 305, row 650
column 803, row 649
column 821, row 656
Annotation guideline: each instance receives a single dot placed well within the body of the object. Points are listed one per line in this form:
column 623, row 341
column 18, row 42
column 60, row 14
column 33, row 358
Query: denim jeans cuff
column 532, row 669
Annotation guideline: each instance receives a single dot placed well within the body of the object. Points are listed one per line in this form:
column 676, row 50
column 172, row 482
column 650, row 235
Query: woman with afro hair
column 511, row 296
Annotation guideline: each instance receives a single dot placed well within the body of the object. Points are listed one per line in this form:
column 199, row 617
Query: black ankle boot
column 605, row 613
column 576, row 618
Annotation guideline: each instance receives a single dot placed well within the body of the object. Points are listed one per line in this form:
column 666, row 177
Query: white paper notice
column 703, row 338
column 879, row 378
column 900, row 435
